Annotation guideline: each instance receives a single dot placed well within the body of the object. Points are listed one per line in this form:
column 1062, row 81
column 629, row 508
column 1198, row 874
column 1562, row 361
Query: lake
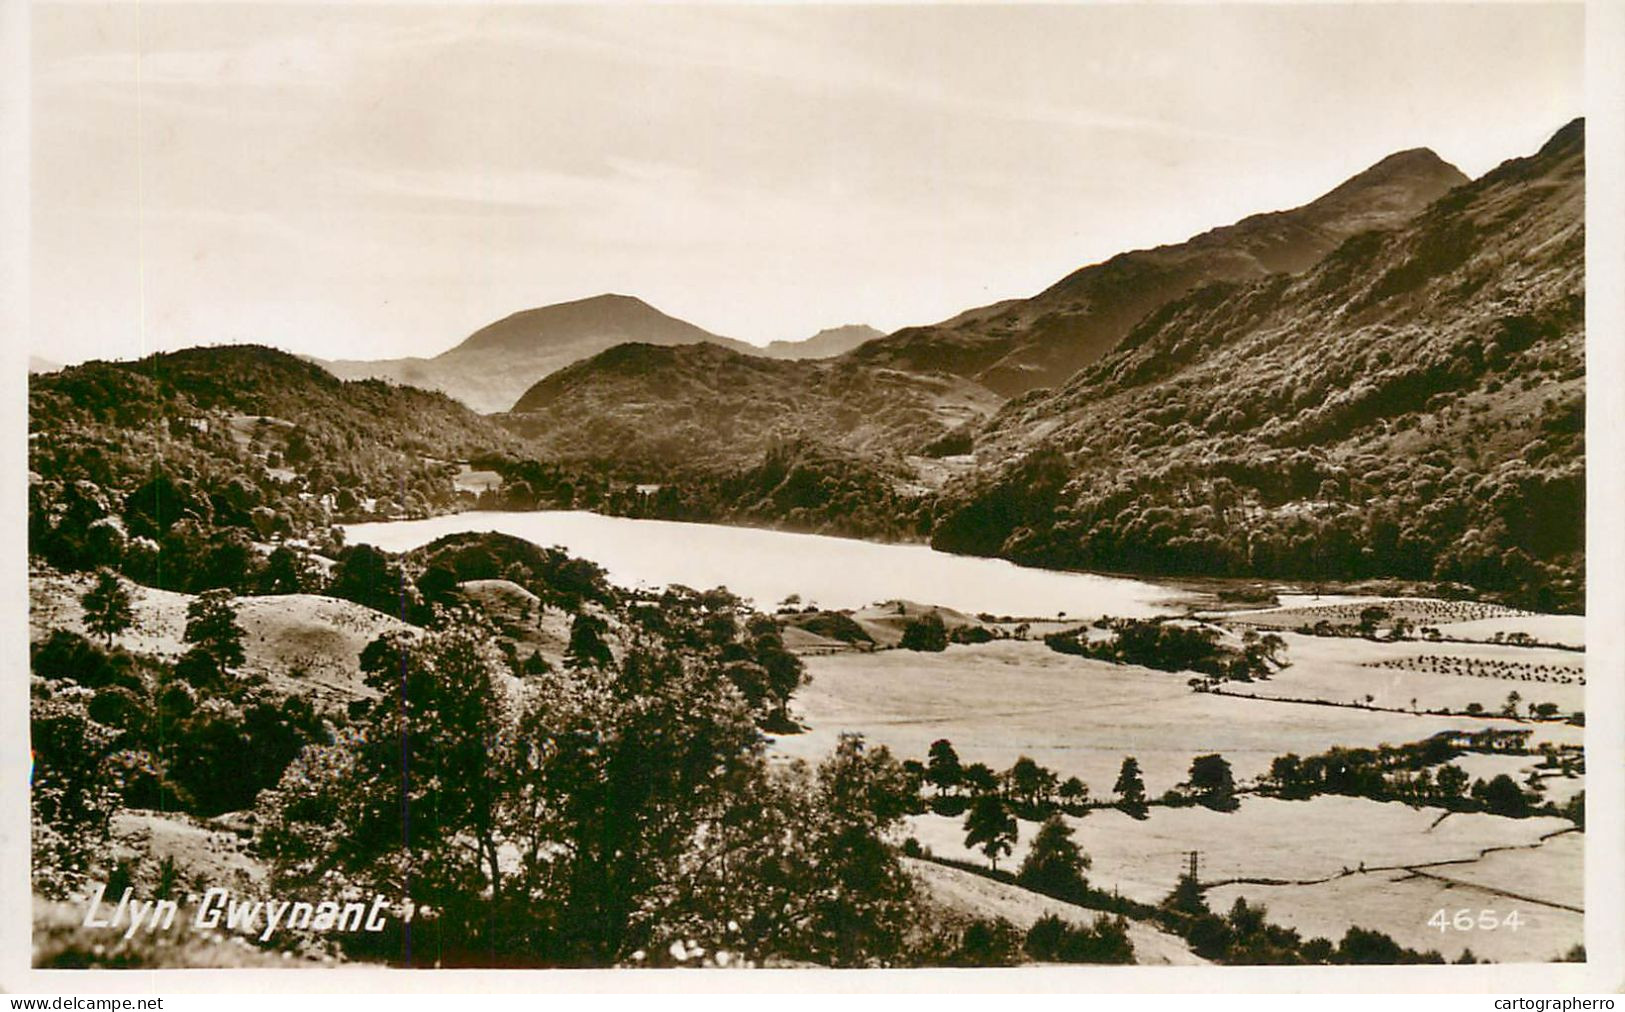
column 768, row 566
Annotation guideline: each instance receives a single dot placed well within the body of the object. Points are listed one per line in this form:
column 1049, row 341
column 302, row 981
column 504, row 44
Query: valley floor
column 1322, row 865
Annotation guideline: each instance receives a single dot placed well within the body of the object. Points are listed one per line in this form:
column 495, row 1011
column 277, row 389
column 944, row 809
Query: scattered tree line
column 1422, row 774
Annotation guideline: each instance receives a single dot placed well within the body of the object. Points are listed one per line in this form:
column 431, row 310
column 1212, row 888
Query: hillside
column 245, row 442
column 301, row 644
column 1020, row 345
column 494, row 365
column 703, row 407
column 1411, row 406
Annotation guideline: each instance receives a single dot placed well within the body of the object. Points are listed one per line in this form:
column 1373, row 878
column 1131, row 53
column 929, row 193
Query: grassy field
column 998, row 701
column 1402, row 903
column 1001, row 700
column 1568, row 630
column 1447, row 676
column 1303, row 860
column 1265, row 839
column 1555, row 873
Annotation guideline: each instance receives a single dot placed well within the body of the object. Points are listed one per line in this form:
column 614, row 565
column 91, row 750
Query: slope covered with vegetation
column 199, row 453
column 1412, row 406
column 702, row 407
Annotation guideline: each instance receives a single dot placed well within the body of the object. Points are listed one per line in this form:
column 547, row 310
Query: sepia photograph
column 805, row 486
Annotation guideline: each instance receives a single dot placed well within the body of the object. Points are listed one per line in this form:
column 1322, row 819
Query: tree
column 1503, row 796
column 979, row 779
column 1055, row 864
column 368, row 577
column 1370, row 616
column 850, row 896
column 1212, row 781
column 436, row 753
column 1130, row 787
column 438, row 585
column 587, row 647
column 784, row 672
column 286, row 572
column 991, row 828
column 942, row 767
column 1510, row 707
column 105, row 543
column 1290, row 778
column 631, row 805
column 1030, row 783
column 1074, row 795
column 74, row 793
column 1575, row 809
column 107, row 607
column 1186, row 897
column 926, row 633
column 211, row 624
column 1451, row 782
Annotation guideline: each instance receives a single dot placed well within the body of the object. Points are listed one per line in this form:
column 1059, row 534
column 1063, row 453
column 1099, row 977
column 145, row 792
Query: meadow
column 1320, row 865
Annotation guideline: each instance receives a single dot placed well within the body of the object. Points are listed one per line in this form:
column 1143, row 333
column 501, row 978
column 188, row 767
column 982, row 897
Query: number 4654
column 1471, row 920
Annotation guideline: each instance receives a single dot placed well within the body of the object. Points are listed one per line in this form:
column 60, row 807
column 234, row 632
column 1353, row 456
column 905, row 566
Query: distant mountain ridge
column 826, row 343
column 1021, row 344
column 495, row 364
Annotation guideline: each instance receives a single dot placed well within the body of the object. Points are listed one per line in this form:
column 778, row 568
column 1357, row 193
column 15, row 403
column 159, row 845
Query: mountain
column 1019, row 345
column 494, row 365
column 705, row 407
column 825, row 344
column 37, row 365
column 1411, row 406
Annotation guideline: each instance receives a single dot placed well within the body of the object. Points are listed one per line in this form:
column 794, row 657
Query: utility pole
column 1195, row 861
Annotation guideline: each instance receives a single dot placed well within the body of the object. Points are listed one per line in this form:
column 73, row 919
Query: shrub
column 926, row 633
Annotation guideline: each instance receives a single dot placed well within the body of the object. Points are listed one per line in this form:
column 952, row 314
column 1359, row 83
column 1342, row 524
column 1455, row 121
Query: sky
column 378, row 180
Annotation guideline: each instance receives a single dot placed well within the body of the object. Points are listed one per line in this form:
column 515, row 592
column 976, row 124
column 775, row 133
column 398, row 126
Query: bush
column 989, row 942
column 70, row 656
column 1053, row 940
column 971, row 634
column 926, row 633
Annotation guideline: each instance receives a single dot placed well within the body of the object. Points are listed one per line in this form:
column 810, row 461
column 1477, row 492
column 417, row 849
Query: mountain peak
column 1571, row 137
column 1023, row 344
column 1405, row 174
column 610, row 315
column 607, row 299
